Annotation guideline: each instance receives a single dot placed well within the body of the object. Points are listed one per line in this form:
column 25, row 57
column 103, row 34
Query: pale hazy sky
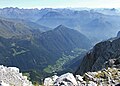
column 60, row 3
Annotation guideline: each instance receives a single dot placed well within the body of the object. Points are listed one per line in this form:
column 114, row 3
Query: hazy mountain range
column 41, row 42
column 97, row 24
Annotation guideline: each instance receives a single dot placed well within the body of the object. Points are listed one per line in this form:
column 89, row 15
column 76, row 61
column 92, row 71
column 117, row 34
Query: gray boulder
column 11, row 76
column 66, row 79
column 79, row 78
column 48, row 82
column 91, row 83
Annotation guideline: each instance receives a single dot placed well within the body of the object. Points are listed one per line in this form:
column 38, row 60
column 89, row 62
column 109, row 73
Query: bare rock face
column 3, row 84
column 10, row 76
column 105, row 77
column 48, row 82
column 79, row 78
column 112, row 63
column 97, row 57
column 66, row 79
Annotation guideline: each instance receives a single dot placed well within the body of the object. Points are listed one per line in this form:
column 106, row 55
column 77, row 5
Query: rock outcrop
column 112, row 63
column 105, row 77
column 10, row 76
column 97, row 57
column 66, row 79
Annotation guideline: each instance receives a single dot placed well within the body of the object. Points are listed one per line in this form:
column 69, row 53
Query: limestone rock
column 88, row 77
column 66, row 79
column 54, row 77
column 3, row 84
column 91, row 83
column 48, row 82
column 104, row 77
column 11, row 76
column 79, row 78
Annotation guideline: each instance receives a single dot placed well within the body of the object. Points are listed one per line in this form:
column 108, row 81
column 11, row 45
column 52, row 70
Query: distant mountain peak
column 113, row 9
column 61, row 26
column 118, row 35
column 53, row 14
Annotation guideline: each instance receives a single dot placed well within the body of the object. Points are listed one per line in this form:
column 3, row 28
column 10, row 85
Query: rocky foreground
column 105, row 77
column 10, row 76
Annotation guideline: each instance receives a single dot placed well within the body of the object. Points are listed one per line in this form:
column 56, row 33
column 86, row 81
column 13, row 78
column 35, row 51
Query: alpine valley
column 45, row 42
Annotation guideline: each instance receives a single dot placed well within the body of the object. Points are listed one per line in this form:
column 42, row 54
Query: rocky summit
column 10, row 76
column 105, row 77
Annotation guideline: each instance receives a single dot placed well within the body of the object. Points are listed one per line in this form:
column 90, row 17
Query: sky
column 60, row 3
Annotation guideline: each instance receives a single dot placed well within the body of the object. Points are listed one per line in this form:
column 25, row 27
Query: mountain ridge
column 95, row 59
column 41, row 50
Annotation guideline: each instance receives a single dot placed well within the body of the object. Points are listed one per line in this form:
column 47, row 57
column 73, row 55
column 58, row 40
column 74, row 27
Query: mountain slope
column 98, row 28
column 34, row 25
column 101, row 52
column 52, row 19
column 62, row 40
column 42, row 50
column 62, row 37
column 10, row 28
